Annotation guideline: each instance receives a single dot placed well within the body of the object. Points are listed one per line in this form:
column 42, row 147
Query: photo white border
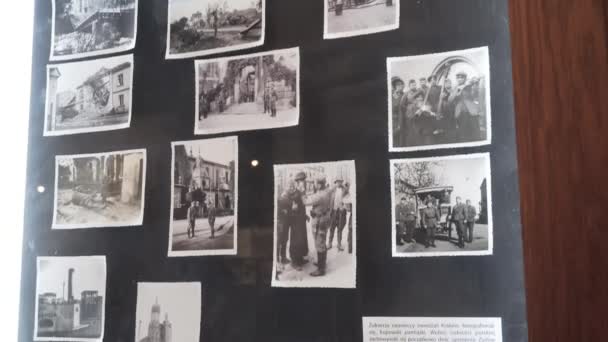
column 320, row 281
column 182, row 55
column 210, row 252
column 361, row 32
column 47, row 132
column 488, row 90
column 137, row 222
column 207, row 131
column 103, row 306
column 486, row 158
column 55, row 58
column 196, row 284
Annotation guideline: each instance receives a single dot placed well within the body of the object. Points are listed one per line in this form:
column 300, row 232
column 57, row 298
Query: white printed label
column 431, row 329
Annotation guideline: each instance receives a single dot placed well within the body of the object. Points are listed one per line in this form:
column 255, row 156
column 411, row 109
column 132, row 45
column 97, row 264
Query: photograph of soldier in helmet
column 315, row 210
column 439, row 100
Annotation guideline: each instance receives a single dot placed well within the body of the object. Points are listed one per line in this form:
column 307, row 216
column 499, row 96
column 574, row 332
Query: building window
column 121, row 80
column 121, row 100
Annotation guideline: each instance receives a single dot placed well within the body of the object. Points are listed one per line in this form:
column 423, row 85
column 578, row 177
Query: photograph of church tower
column 168, row 312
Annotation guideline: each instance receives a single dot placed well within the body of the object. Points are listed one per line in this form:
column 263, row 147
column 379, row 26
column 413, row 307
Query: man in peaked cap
column 298, row 246
column 459, row 217
column 431, row 217
column 321, row 202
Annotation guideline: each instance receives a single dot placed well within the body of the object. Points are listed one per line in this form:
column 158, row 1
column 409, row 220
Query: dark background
column 343, row 117
column 560, row 68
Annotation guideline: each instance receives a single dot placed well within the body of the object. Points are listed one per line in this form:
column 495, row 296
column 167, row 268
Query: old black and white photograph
column 204, row 27
column 439, row 100
column 84, row 28
column 315, row 225
column 89, row 96
column 168, row 312
column 100, row 190
column 205, row 197
column 347, row 18
column 441, row 206
column 70, row 299
column 248, row 92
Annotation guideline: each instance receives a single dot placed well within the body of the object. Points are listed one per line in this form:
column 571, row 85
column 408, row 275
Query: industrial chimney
column 70, row 289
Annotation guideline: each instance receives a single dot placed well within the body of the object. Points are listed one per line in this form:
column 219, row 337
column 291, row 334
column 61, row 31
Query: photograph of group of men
column 463, row 217
column 439, row 100
column 315, row 203
column 426, row 220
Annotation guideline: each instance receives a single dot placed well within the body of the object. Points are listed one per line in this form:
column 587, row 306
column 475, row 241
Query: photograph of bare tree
column 203, row 27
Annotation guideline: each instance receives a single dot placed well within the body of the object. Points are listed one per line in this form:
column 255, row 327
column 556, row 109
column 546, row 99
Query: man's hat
column 300, row 176
column 338, row 180
column 395, row 80
column 461, row 74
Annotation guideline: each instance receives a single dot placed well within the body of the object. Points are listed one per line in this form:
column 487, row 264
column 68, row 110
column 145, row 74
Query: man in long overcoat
column 458, row 217
column 430, row 218
column 471, row 214
column 298, row 244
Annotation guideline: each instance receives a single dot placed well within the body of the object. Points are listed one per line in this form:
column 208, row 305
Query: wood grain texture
column 560, row 67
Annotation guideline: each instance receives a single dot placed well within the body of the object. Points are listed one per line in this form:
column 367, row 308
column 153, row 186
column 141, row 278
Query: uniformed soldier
column 321, row 202
column 405, row 212
column 191, row 215
column 211, row 213
column 471, row 214
column 458, row 217
column 338, row 215
column 430, row 217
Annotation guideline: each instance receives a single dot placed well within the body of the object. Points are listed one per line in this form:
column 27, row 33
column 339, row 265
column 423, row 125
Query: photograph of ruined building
column 70, row 299
column 248, row 92
column 202, row 27
column 92, row 27
column 100, row 190
column 89, row 96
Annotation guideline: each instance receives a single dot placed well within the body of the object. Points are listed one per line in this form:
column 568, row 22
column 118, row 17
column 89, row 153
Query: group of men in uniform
column 428, row 113
column 463, row 216
column 330, row 207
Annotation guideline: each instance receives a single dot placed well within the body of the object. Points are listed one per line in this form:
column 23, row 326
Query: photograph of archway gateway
column 204, row 27
column 248, row 92
column 86, row 28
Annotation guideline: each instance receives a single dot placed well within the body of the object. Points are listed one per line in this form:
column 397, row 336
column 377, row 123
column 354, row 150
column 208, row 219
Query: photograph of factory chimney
column 256, row 91
column 99, row 190
column 89, row 96
column 204, row 200
column 168, row 312
column 70, row 299
column 85, row 28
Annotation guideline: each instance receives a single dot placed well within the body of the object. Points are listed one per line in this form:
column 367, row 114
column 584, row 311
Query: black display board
column 343, row 117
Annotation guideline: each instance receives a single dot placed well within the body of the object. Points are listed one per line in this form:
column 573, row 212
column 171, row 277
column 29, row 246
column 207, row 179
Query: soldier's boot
column 322, row 258
column 340, row 248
